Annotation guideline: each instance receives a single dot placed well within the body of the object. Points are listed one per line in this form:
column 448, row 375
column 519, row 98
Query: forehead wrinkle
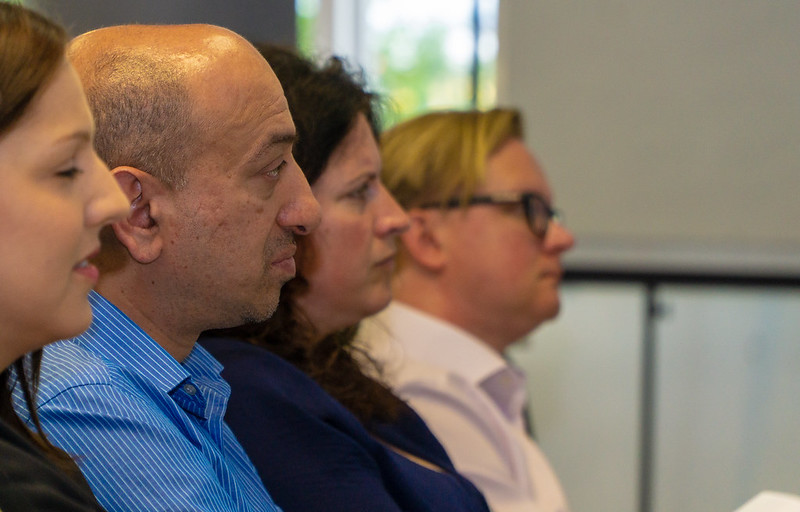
column 245, row 101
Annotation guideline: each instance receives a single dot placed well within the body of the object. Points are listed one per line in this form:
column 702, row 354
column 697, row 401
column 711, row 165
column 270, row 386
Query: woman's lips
column 388, row 261
column 87, row 270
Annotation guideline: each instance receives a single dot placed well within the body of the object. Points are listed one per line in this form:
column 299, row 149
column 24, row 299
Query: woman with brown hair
column 56, row 196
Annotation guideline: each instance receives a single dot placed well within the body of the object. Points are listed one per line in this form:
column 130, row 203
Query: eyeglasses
column 537, row 211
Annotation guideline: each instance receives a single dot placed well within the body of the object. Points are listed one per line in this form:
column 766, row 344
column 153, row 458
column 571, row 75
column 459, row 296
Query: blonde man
column 478, row 270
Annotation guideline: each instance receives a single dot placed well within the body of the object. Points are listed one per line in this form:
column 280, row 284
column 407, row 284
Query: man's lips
column 286, row 254
column 285, row 261
column 555, row 272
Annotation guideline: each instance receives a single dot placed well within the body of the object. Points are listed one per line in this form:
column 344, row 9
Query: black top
column 30, row 482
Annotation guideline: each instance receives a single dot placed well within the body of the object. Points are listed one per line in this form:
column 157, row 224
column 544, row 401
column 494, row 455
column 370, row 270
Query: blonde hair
column 442, row 155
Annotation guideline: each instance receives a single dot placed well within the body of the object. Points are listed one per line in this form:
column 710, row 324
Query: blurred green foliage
column 410, row 69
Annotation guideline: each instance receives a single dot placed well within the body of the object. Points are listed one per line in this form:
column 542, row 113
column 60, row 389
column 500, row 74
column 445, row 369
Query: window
column 420, row 54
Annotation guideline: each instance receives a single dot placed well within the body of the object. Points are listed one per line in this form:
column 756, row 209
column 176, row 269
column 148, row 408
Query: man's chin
column 547, row 310
column 255, row 317
column 258, row 313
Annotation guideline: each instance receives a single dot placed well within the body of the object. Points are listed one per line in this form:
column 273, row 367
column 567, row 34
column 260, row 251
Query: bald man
column 196, row 130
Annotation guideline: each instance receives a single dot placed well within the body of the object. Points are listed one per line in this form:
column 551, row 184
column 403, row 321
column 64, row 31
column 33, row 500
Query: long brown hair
column 31, row 50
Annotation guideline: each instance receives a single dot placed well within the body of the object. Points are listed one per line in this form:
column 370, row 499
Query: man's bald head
column 198, row 133
column 141, row 82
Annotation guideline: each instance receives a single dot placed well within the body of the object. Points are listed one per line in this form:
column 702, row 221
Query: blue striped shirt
column 146, row 430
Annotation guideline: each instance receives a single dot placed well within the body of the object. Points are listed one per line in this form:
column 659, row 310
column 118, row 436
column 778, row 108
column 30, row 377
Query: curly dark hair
column 324, row 101
column 31, row 50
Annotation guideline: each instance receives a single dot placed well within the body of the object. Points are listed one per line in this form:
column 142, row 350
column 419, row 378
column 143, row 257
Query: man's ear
column 423, row 241
column 140, row 232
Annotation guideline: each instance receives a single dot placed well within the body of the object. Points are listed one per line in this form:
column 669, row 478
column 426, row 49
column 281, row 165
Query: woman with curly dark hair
column 55, row 197
column 322, row 432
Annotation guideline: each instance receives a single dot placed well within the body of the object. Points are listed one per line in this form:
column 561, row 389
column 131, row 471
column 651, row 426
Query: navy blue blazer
column 314, row 455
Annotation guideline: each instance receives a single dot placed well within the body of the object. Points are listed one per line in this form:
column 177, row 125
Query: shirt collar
column 441, row 343
column 117, row 339
column 447, row 346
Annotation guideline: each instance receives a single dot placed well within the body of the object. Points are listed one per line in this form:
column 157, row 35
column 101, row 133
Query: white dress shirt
column 471, row 399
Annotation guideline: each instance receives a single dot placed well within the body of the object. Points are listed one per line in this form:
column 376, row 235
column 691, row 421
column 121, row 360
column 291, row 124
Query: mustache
column 284, row 242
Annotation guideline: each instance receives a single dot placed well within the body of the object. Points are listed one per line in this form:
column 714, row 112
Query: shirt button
column 190, row 389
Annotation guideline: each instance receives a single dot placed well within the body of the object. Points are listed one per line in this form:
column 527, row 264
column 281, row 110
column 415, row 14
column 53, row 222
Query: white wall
column 671, row 135
column 670, row 130
column 726, row 408
column 728, row 396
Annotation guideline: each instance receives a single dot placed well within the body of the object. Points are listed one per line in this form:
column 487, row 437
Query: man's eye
column 274, row 173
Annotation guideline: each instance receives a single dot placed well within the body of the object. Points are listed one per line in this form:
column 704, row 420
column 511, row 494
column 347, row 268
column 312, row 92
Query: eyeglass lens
column 539, row 215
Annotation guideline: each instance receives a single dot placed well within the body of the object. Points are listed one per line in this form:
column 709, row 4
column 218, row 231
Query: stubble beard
column 272, row 290
column 255, row 314
column 255, row 317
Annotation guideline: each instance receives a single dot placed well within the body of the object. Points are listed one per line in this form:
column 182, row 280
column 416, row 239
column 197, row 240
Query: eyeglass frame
column 526, row 199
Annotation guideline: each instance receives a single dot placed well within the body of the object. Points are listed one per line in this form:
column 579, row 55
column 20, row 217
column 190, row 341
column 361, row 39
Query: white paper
column 770, row 501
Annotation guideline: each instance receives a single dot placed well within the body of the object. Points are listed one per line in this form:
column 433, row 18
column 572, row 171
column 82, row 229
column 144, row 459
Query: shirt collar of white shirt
column 453, row 349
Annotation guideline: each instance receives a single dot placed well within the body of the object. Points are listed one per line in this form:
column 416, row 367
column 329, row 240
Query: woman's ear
column 140, row 232
column 423, row 241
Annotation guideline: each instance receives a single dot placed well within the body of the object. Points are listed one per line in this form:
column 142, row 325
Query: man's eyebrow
column 280, row 139
column 283, row 138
